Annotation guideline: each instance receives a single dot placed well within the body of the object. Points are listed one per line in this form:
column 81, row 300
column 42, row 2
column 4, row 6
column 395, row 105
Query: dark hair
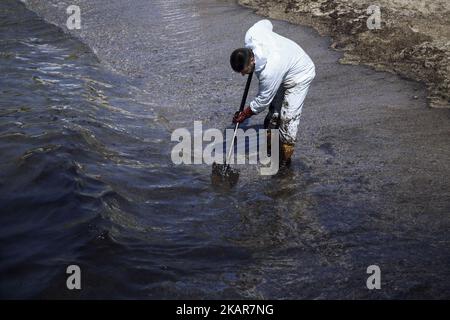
column 240, row 58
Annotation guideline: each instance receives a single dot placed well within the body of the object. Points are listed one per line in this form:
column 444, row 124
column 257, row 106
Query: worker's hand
column 241, row 116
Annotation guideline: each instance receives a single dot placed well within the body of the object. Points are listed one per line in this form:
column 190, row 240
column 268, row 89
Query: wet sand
column 370, row 181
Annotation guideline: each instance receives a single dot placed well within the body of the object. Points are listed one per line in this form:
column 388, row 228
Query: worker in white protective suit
column 284, row 72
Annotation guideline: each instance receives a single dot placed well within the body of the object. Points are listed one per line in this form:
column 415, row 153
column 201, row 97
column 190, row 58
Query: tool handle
column 247, row 87
column 244, row 98
column 232, row 143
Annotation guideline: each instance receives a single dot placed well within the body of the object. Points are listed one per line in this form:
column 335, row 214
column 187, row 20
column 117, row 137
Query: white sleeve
column 268, row 87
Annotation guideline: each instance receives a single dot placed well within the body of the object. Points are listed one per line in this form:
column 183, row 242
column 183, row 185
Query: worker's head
column 242, row 60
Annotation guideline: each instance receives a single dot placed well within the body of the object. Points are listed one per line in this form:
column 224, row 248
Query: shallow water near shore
column 86, row 175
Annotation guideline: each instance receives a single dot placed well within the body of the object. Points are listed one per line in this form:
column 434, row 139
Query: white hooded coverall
column 282, row 64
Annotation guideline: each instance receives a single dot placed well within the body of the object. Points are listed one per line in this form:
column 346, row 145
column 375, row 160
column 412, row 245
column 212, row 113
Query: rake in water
column 223, row 173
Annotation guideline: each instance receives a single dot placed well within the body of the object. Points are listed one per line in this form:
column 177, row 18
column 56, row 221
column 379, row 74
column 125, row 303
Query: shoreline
column 413, row 40
column 367, row 183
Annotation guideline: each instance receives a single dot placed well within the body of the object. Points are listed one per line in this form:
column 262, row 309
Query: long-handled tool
column 222, row 173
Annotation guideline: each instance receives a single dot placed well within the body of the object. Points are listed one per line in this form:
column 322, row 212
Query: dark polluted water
column 86, row 176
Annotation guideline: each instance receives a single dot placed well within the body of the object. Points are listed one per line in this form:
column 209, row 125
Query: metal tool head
column 224, row 175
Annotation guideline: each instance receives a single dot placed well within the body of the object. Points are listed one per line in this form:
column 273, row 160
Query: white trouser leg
column 291, row 111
